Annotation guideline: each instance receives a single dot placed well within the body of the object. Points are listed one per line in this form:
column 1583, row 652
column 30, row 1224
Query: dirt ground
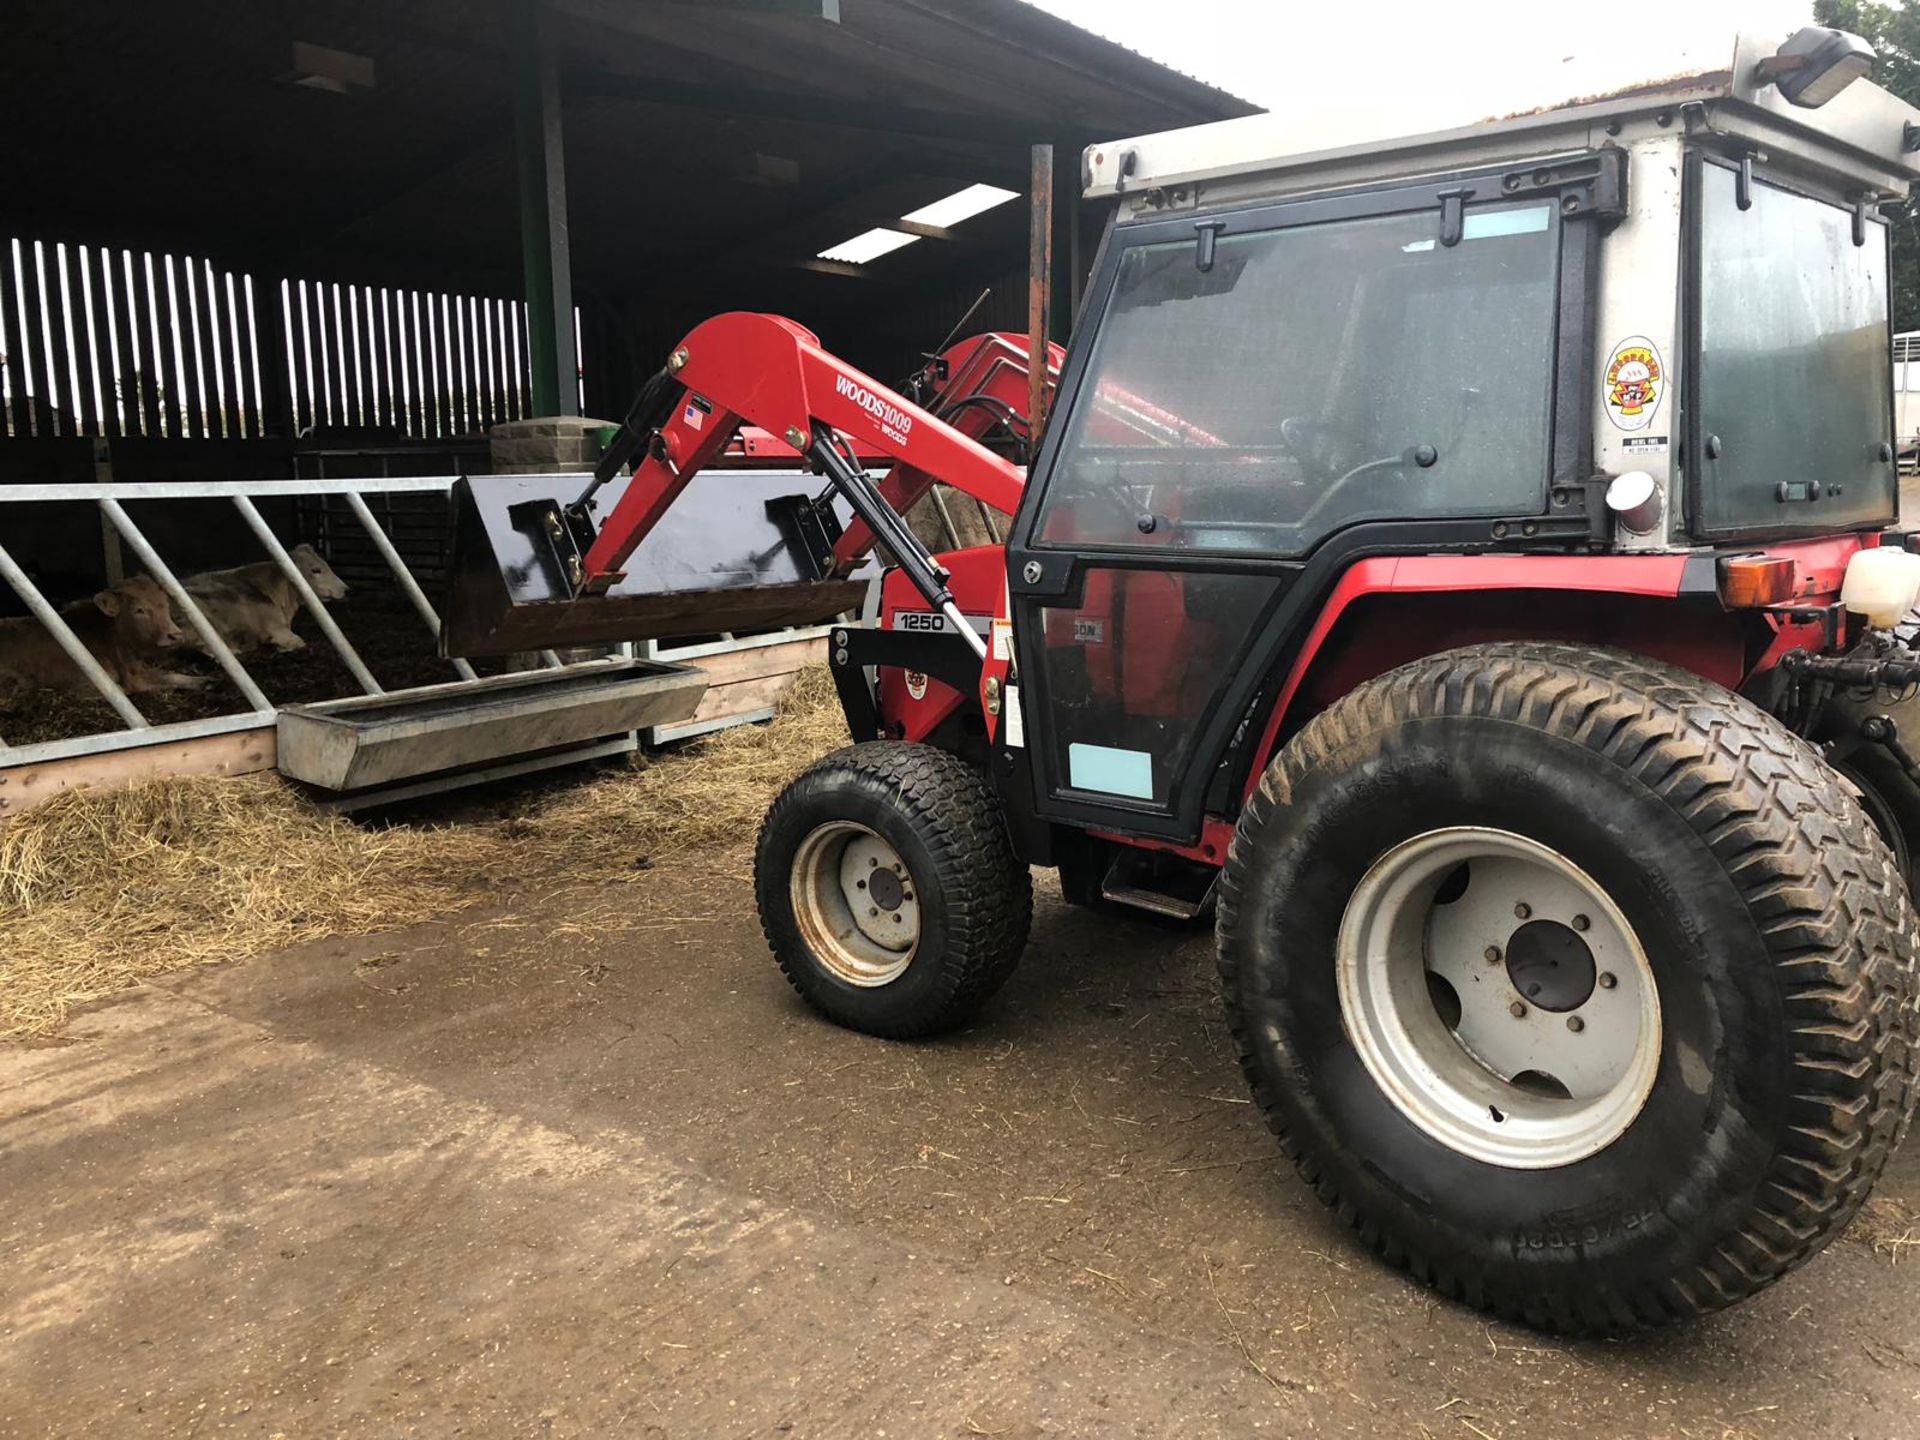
column 586, row 1167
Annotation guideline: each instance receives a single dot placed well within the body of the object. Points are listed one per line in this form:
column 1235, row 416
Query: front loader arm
column 744, row 368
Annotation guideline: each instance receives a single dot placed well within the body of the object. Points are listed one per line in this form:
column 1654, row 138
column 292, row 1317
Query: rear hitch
column 1884, row 671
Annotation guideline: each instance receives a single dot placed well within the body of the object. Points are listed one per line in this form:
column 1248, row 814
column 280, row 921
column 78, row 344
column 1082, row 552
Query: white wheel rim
column 1474, row 1010
column 856, row 903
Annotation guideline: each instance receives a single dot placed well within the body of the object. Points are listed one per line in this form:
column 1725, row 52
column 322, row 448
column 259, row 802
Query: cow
column 253, row 605
column 126, row 627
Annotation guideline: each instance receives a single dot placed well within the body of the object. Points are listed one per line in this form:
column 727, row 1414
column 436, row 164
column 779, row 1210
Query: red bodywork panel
column 1628, row 601
column 979, row 586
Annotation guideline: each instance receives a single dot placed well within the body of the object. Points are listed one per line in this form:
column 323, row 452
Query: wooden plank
column 66, row 326
column 760, row 660
column 246, row 403
column 14, row 345
column 47, row 390
column 484, row 328
column 220, row 416
column 205, row 403
column 376, row 380
column 519, row 365
column 88, row 343
column 425, row 422
column 122, row 403
column 437, row 406
column 742, row 697
column 182, row 394
column 240, row 753
column 149, row 363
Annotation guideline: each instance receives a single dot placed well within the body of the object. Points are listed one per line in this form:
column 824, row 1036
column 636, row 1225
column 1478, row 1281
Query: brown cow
column 254, row 605
column 127, row 628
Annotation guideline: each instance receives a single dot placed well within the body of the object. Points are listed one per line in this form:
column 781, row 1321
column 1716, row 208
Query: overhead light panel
column 868, row 246
column 961, row 205
column 320, row 67
column 1816, row 64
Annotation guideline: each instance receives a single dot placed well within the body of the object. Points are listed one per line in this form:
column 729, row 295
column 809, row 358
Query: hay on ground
column 1887, row 1226
column 101, row 888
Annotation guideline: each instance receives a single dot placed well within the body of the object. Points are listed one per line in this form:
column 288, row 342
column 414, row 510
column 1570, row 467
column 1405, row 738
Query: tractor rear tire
column 1578, row 986
column 889, row 891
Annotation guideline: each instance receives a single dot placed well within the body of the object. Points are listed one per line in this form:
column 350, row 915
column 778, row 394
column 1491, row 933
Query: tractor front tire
column 889, row 891
column 1577, row 985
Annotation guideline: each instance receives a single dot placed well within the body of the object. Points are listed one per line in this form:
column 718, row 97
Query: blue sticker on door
column 1110, row 771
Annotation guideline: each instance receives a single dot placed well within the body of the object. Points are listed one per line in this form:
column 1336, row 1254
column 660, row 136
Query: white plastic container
column 1881, row 584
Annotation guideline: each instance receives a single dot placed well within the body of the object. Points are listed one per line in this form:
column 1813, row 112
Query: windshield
column 1314, row 376
column 1795, row 379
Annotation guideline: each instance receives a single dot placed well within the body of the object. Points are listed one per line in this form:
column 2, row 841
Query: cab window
column 1313, row 377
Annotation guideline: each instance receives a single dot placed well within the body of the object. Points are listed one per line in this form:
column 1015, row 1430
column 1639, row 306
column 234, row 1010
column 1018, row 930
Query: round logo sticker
column 916, row 685
column 1634, row 382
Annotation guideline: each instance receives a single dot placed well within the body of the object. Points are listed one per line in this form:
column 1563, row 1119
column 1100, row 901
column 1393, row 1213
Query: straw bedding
column 101, row 888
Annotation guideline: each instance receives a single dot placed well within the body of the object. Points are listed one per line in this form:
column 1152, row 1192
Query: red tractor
column 1466, row 561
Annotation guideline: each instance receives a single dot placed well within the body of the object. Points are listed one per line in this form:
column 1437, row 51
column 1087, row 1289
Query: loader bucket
column 719, row 560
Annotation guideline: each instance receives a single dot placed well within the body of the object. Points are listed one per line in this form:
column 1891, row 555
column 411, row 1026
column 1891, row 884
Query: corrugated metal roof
column 176, row 124
column 712, row 146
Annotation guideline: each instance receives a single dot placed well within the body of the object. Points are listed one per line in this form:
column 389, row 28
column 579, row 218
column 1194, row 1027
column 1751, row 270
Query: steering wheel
column 1313, row 445
column 1121, row 505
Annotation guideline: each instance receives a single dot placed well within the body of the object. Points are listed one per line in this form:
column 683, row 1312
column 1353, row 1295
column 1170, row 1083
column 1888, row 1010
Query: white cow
column 254, row 605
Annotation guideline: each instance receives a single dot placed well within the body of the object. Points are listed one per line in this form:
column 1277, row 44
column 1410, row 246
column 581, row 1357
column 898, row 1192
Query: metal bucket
column 721, row 560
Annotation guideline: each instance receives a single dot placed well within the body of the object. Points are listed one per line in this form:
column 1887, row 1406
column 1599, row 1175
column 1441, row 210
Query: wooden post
column 1039, row 288
column 543, row 214
column 113, row 563
column 1066, row 246
column 279, row 411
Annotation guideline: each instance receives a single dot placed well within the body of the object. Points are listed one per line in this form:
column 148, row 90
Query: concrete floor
column 584, row 1166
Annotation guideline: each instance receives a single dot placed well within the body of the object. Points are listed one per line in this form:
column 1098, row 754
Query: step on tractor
column 1461, row 558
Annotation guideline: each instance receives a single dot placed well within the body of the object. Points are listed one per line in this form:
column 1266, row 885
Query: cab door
column 1260, row 388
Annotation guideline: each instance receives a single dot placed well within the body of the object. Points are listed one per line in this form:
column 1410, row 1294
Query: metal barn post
column 543, row 214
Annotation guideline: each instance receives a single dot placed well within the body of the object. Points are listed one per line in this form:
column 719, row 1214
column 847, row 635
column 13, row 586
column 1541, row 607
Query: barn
column 277, row 273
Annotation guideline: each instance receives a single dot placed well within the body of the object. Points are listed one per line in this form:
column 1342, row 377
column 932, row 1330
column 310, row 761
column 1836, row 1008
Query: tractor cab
column 1649, row 322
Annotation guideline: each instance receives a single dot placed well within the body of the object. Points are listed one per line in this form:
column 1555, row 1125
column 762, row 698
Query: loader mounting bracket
column 944, row 656
column 810, row 529
column 562, row 535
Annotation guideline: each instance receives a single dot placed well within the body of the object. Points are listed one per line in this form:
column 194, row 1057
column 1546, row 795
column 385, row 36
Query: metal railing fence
column 259, row 711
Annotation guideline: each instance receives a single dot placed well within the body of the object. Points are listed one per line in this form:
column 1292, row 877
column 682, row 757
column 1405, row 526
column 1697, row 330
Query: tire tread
column 1824, row 890
column 988, row 892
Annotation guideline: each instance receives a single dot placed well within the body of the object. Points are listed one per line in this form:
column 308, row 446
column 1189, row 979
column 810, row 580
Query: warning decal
column 1633, row 383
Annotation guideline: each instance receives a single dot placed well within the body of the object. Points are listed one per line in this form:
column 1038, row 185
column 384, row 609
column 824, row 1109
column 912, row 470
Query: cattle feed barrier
column 122, row 752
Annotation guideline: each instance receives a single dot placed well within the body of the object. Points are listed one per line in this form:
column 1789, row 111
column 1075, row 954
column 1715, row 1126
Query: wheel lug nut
column 859, row 884
column 1493, row 954
column 1522, row 911
column 1518, row 1010
column 1581, row 922
column 872, row 863
column 873, row 910
column 1607, row 982
column 1576, row 1024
